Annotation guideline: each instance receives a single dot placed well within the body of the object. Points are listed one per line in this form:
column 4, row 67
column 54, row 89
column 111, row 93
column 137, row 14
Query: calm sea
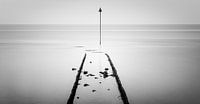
column 157, row 64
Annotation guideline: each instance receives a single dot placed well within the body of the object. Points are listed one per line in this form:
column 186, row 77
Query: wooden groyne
column 75, row 86
column 119, row 84
column 114, row 74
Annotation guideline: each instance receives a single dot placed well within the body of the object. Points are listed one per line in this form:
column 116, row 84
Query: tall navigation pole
column 100, row 10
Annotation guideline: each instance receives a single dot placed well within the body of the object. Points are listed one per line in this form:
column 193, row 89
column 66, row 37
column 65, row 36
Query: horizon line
column 95, row 27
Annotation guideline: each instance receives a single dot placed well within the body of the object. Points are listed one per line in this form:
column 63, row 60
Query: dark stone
column 85, row 85
column 73, row 69
column 85, row 72
column 106, row 69
column 105, row 74
column 94, row 90
column 90, row 75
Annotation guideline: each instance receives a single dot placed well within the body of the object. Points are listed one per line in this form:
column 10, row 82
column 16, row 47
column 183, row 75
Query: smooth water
column 155, row 67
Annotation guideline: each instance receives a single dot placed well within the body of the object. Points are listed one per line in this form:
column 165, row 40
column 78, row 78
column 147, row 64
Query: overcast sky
column 86, row 11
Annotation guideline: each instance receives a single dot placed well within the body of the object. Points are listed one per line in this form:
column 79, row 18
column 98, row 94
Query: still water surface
column 154, row 67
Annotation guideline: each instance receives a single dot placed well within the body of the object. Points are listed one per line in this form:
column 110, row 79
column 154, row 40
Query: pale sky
column 86, row 11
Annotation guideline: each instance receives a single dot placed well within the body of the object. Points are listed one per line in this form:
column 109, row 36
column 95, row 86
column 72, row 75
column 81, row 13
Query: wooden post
column 100, row 10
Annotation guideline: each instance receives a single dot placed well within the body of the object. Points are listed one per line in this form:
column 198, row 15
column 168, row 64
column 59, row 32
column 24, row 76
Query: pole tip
column 100, row 10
